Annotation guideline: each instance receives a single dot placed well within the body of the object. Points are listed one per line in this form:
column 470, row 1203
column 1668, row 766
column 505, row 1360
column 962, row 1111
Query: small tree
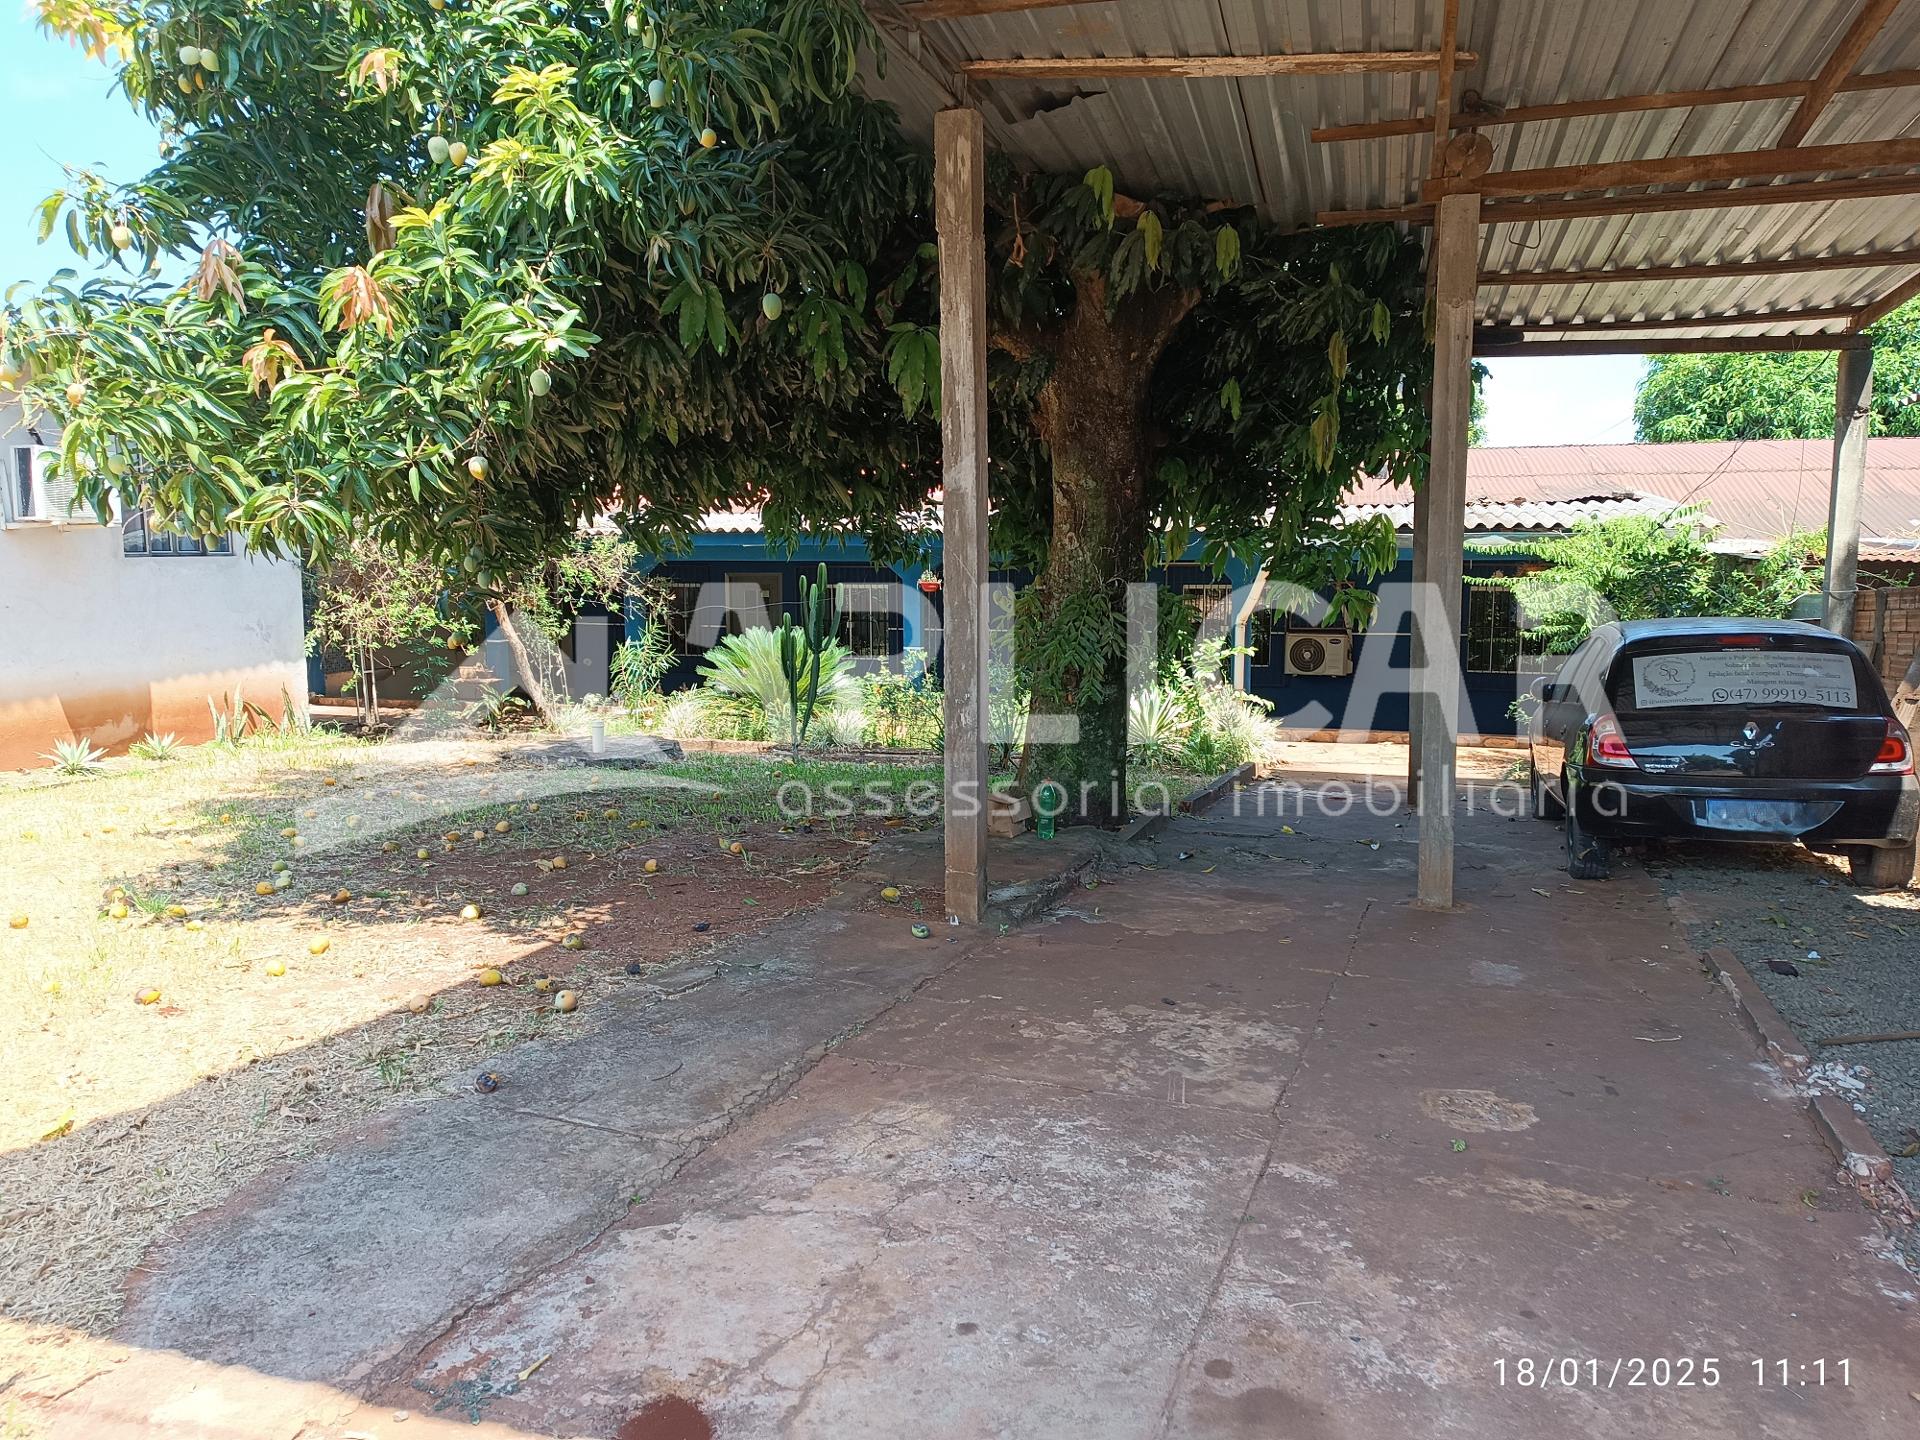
column 1642, row 567
column 369, row 600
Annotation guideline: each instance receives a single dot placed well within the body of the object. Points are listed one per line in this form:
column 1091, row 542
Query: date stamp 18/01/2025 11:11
column 1662, row 1372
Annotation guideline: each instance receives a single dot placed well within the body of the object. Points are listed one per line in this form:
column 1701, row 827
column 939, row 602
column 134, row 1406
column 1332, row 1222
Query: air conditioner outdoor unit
column 1319, row 652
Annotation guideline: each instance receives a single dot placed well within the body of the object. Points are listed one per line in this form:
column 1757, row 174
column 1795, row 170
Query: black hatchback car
column 1754, row 730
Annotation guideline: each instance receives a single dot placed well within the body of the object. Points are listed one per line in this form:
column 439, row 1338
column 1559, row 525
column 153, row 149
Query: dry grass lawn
column 284, row 1015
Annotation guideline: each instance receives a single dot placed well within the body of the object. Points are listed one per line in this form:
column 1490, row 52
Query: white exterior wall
column 109, row 646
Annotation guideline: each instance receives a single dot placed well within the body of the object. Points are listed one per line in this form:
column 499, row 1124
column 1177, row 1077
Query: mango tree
column 466, row 273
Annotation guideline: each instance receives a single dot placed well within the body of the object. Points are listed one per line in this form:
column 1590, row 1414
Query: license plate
column 1764, row 817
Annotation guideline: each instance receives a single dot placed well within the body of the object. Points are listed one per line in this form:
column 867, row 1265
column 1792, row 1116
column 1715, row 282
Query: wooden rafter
column 1676, row 169
column 1612, row 105
column 1886, row 304
column 1500, row 212
column 1820, row 315
column 1731, row 269
column 964, row 9
column 1840, row 64
column 1489, row 345
column 1207, row 67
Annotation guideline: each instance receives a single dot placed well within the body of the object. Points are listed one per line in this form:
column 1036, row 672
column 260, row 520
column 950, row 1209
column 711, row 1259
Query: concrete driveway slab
column 889, row 1252
column 1630, row 1086
column 1380, row 1291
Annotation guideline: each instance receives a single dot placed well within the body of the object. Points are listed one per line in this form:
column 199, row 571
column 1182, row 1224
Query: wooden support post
column 1421, row 511
column 1456, row 250
column 1853, row 405
column 959, row 188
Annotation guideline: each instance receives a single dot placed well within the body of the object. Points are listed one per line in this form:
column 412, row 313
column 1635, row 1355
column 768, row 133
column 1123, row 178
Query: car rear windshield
column 1703, row 671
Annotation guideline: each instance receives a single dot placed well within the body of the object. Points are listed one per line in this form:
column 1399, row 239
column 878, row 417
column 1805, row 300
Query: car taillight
column 1606, row 745
column 1896, row 755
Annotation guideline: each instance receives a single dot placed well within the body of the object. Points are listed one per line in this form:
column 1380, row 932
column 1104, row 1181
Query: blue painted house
column 1316, row 677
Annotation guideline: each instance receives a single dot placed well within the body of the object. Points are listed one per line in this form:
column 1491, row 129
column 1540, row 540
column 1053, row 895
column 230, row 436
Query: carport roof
column 1613, row 264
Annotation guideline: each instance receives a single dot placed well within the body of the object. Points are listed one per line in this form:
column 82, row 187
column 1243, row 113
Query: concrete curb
column 1847, row 1136
column 1145, row 827
column 1216, row 789
column 1762, row 1021
column 1866, row 1164
column 1142, row 828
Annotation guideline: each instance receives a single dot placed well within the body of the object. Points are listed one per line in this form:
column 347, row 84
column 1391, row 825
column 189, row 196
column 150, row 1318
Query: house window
column 870, row 625
column 1203, row 599
column 22, row 493
column 139, row 535
column 1492, row 630
column 753, row 601
column 679, row 607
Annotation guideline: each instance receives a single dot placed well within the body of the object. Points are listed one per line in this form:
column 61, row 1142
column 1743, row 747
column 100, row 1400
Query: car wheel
column 1545, row 807
column 1881, row 867
column 1587, row 855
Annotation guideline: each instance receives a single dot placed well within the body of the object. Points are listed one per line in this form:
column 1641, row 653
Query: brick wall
column 1886, row 624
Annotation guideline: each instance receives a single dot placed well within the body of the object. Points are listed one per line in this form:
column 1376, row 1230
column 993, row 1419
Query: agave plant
column 1158, row 723
column 74, row 757
column 156, row 747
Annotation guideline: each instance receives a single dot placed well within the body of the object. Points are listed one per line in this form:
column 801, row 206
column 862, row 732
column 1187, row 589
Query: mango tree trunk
column 1092, row 413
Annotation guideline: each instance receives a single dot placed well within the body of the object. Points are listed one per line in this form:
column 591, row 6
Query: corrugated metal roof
column 1525, row 516
column 1753, row 489
column 1247, row 139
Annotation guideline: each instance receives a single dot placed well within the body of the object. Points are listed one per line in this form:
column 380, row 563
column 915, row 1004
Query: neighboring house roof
column 1486, row 516
column 1753, row 489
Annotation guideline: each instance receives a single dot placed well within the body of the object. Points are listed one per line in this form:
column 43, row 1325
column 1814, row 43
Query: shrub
column 904, row 710
column 747, row 668
column 640, row 664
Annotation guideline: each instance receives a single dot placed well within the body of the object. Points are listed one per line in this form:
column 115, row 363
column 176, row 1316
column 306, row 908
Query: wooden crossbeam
column 965, row 9
column 1612, row 105
column 1676, row 169
column 1730, row 269
column 1867, row 24
column 1490, row 347
column 1208, row 67
column 1886, row 304
column 1500, row 212
column 1816, row 316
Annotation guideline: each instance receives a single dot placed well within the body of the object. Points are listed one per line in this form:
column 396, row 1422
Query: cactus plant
column 801, row 650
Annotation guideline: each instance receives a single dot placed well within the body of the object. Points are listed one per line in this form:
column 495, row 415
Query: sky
column 56, row 109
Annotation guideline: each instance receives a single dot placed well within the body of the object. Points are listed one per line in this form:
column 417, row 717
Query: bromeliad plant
column 802, row 649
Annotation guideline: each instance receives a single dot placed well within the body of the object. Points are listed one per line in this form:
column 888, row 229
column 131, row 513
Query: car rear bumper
column 1874, row 810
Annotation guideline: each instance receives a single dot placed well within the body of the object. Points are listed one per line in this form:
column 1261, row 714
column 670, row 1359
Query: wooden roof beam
column 1487, row 344
column 1473, row 118
column 1501, row 212
column 1840, row 64
column 1822, row 315
column 1886, row 304
column 1723, row 270
column 967, row 9
column 1679, row 169
column 1208, row 67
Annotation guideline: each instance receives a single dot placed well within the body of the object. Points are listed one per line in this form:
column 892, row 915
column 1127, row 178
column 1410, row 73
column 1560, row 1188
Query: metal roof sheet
column 1247, row 139
column 1753, row 489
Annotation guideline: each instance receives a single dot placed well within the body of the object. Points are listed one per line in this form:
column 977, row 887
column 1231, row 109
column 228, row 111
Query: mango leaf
column 1151, row 235
column 1100, row 182
column 1226, row 251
